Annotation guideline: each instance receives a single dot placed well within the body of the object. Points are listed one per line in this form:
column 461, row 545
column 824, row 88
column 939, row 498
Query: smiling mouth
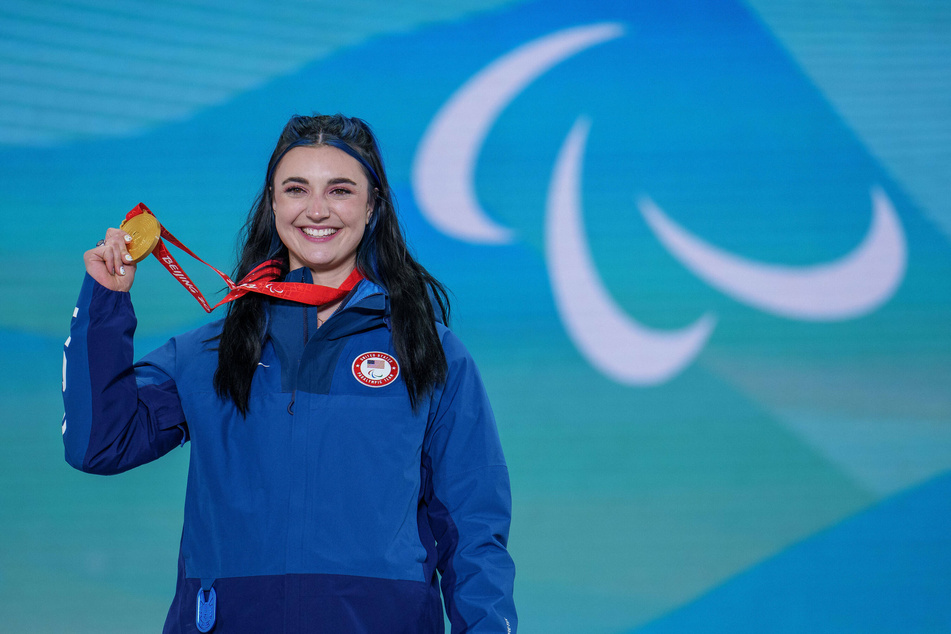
column 318, row 233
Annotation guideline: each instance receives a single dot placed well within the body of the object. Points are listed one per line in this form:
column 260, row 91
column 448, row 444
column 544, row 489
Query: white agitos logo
column 853, row 285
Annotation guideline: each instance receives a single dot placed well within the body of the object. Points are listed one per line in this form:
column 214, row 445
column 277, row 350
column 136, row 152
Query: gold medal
column 145, row 231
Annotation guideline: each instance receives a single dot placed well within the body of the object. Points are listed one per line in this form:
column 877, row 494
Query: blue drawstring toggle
column 205, row 619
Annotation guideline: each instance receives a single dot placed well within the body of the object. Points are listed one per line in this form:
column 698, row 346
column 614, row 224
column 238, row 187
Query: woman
column 341, row 454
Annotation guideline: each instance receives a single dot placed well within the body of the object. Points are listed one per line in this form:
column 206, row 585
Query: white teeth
column 318, row 233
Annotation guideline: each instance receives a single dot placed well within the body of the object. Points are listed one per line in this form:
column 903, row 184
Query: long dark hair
column 382, row 257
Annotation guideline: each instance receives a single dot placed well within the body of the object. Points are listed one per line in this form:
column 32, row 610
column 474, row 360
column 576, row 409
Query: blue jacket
column 332, row 506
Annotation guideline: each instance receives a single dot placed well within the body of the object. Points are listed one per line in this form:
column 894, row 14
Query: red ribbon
column 259, row 280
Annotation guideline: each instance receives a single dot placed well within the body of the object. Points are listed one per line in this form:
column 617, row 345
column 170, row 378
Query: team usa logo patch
column 375, row 369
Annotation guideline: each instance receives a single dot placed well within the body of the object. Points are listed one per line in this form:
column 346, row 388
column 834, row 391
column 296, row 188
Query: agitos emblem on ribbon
column 148, row 235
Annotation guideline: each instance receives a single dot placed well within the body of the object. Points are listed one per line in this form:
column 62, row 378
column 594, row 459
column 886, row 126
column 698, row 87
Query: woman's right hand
column 110, row 263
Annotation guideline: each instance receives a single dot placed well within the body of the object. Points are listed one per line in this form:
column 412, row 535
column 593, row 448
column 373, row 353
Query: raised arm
column 117, row 416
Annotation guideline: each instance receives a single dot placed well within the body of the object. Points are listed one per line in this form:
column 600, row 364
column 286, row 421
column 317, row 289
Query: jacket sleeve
column 117, row 416
column 469, row 501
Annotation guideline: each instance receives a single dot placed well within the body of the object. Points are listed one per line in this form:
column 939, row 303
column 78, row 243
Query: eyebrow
column 332, row 181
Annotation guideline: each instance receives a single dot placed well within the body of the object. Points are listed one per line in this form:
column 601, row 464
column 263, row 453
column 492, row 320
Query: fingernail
column 121, row 270
column 128, row 238
column 128, row 258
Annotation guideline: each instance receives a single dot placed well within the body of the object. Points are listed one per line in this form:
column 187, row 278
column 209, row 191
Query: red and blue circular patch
column 375, row 369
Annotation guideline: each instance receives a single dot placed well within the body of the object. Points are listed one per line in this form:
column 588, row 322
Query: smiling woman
column 322, row 205
column 345, row 463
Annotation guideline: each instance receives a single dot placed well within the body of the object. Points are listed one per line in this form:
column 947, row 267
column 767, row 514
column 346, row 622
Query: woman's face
column 321, row 209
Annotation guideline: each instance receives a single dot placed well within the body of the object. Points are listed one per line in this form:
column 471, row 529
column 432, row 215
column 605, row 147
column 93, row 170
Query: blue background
column 793, row 475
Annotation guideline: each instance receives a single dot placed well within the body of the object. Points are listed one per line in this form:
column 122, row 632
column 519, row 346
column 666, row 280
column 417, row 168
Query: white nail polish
column 128, row 238
column 121, row 270
column 128, row 258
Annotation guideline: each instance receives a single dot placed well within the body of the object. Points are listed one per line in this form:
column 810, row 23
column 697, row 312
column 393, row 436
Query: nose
column 318, row 209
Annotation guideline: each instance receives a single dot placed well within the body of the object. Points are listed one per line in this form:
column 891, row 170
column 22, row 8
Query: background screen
column 699, row 250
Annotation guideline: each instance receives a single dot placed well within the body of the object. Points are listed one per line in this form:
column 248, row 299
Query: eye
column 341, row 191
column 294, row 190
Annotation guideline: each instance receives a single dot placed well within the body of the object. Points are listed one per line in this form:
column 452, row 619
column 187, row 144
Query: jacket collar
column 364, row 308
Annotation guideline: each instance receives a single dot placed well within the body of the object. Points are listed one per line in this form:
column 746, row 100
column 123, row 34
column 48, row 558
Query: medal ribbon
column 259, row 280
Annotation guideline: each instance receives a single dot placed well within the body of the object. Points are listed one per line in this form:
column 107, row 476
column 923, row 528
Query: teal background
column 793, row 477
